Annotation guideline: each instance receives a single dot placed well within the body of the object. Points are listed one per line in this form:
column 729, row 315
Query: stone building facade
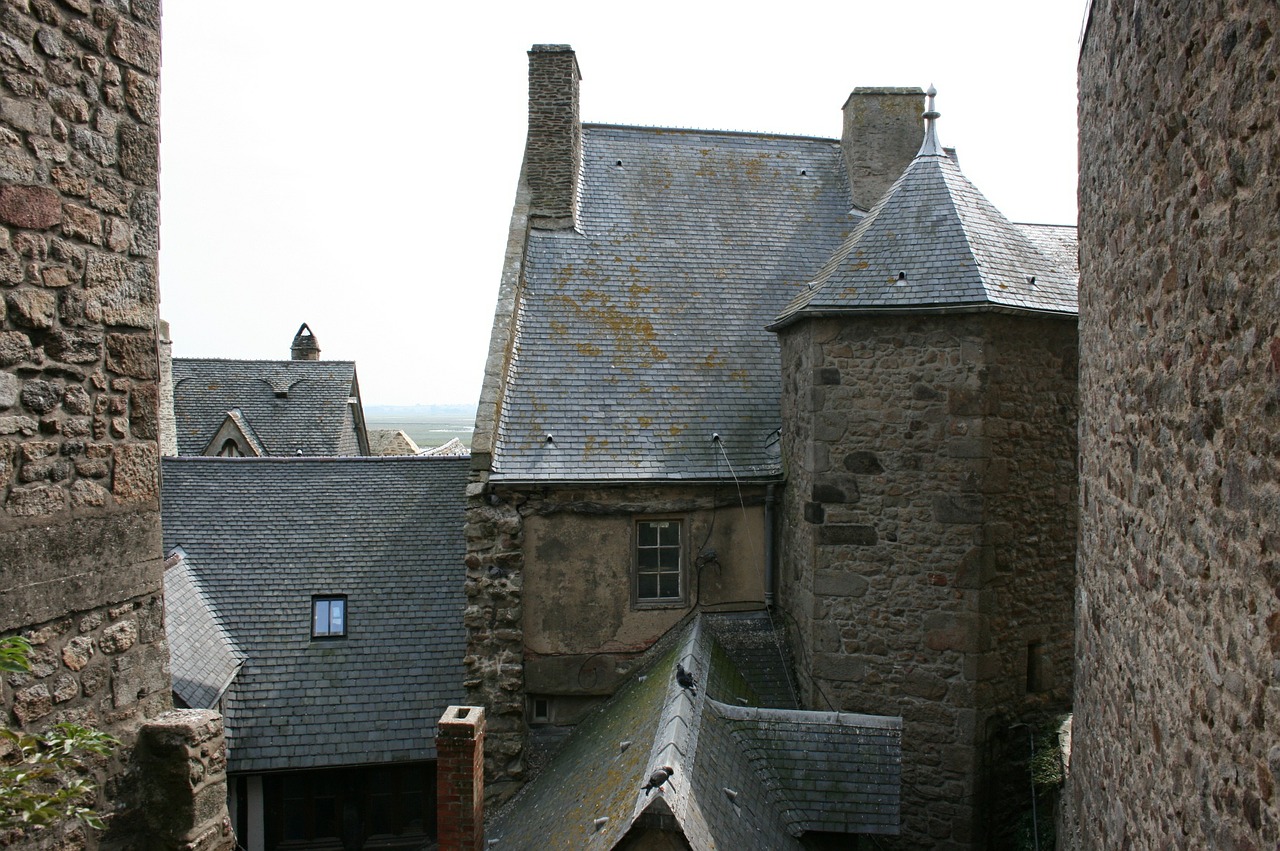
column 1177, row 689
column 79, row 461
column 898, row 476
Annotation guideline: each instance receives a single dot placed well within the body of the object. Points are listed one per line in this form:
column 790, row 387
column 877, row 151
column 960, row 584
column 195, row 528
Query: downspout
column 769, row 500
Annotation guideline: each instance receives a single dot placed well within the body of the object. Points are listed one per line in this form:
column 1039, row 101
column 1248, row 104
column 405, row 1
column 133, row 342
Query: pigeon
column 659, row 777
column 685, row 679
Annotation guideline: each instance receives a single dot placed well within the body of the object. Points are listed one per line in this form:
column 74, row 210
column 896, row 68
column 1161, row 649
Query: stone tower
column 1177, row 696
column 928, row 528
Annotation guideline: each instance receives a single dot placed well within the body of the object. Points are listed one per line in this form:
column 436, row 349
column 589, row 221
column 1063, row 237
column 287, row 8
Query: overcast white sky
column 353, row 165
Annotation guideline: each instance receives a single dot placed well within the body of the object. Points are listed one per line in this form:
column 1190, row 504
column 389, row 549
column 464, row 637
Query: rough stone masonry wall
column 1176, row 739
column 79, row 505
column 928, row 537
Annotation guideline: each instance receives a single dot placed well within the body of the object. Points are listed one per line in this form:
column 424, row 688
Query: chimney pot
column 305, row 345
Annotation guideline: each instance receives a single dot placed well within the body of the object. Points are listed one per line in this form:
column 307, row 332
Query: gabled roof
column 745, row 776
column 261, row 536
column 934, row 242
column 236, row 429
column 289, row 405
column 642, row 334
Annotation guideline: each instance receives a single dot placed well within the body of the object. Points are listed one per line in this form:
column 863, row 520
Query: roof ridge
column 703, row 130
column 260, row 360
column 675, row 740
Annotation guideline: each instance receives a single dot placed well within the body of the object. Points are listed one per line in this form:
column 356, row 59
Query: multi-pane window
column 328, row 617
column 658, row 556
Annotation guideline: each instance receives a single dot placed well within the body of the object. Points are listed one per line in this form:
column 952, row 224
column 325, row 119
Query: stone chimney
column 553, row 151
column 305, row 344
column 882, row 132
column 460, row 779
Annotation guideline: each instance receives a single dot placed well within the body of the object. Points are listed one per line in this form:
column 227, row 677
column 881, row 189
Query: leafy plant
column 44, row 778
column 15, row 653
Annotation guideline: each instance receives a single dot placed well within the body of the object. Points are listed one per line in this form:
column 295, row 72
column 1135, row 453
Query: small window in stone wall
column 328, row 617
column 1038, row 675
column 659, row 562
column 539, row 710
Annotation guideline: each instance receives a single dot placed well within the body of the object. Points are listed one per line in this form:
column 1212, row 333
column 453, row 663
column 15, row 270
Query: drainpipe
column 769, row 500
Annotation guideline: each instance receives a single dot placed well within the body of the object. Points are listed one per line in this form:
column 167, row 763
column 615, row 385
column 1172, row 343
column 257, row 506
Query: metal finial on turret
column 930, row 116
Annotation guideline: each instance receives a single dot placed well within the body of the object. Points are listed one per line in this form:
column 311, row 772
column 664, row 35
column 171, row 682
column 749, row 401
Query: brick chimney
column 460, row 779
column 305, row 345
column 882, row 133
column 553, row 151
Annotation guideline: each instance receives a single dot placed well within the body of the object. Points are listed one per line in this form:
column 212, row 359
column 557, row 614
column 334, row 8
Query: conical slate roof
column 933, row 242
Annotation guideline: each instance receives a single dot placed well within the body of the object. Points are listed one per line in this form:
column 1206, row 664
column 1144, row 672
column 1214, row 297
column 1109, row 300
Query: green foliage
column 45, row 778
column 15, row 654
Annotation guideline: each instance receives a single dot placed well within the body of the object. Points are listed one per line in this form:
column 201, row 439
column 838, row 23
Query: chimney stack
column 305, row 345
column 460, row 779
column 882, row 132
column 553, row 150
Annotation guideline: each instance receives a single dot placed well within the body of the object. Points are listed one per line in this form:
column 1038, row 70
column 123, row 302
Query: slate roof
column 288, row 405
column 746, row 776
column 204, row 658
column 261, row 536
column 934, row 242
column 643, row 333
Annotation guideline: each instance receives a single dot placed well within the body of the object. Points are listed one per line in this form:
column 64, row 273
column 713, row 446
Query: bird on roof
column 685, row 679
column 658, row 778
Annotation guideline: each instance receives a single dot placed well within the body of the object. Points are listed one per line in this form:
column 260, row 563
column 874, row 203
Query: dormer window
column 328, row 617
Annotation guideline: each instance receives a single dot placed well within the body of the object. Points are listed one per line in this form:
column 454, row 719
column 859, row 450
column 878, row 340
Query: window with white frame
column 659, row 561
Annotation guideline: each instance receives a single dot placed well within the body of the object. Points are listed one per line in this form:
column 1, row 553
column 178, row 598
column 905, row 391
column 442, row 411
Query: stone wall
column 80, row 537
column 928, row 539
column 78, row 216
column 1177, row 704
column 540, row 558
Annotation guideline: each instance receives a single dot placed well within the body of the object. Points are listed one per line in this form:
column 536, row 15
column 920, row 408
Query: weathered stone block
column 41, row 396
column 36, row 501
column 839, row 667
column 30, row 206
column 136, row 477
column 119, row 637
column 9, row 388
column 839, row 584
column 958, row 509
column 865, row 463
column 82, row 223
column 140, row 153
column 136, row 45
column 838, row 489
column 32, row 703
column 32, row 308
column 947, row 631
column 851, row 534
column 133, row 355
